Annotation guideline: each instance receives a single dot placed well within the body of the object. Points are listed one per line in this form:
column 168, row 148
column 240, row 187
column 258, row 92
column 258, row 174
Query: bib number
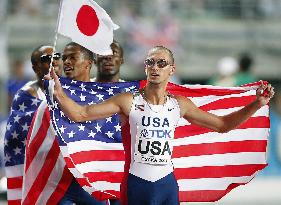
column 152, row 151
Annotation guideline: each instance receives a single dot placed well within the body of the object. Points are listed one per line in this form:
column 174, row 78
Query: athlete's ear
column 145, row 70
column 173, row 69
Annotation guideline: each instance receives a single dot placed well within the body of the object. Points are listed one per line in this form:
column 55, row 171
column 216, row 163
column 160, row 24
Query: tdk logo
column 144, row 133
column 154, row 133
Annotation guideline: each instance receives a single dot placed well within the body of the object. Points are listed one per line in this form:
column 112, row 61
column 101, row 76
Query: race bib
column 152, row 150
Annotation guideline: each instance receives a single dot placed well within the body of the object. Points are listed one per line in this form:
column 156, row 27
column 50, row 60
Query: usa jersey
column 152, row 131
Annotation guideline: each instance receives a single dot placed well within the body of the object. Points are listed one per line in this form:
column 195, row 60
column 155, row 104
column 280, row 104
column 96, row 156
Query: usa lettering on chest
column 155, row 122
column 154, row 147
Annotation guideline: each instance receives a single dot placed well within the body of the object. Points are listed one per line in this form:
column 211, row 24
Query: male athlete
column 153, row 115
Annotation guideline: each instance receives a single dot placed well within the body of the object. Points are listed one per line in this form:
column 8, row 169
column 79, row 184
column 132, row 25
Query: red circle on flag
column 87, row 20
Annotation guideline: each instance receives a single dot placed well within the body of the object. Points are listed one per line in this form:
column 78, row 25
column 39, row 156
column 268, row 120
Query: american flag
column 23, row 107
column 46, row 177
column 208, row 165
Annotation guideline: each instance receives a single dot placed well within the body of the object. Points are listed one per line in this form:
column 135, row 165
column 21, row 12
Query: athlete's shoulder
column 31, row 87
column 124, row 96
column 181, row 99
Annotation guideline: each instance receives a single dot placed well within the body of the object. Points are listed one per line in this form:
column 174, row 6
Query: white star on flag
column 17, row 150
column 56, row 105
column 28, row 113
column 108, row 119
column 82, row 97
column 8, row 126
column 82, row 86
column 15, row 135
column 71, row 134
column 25, row 127
column 98, row 128
column 117, row 128
column 62, row 128
column 100, row 96
column 66, row 86
column 109, row 134
column 35, row 101
column 110, row 91
column 127, row 89
column 93, row 92
column 72, row 92
column 62, row 114
column 22, row 107
column 92, row 134
column 16, row 118
column 7, row 158
column 16, row 96
column 81, row 127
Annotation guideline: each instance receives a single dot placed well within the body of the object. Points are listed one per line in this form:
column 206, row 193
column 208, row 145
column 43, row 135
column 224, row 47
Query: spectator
column 227, row 67
column 244, row 75
column 16, row 81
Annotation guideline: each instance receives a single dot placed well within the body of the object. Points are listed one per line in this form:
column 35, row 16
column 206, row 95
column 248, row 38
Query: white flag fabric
column 87, row 24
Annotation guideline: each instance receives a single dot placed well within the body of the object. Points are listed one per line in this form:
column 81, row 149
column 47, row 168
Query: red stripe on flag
column 83, row 182
column 69, row 162
column 38, row 139
column 218, row 171
column 200, row 92
column 219, row 148
column 31, row 127
column 14, row 202
column 98, row 155
column 108, row 195
column 205, row 195
column 62, row 187
column 113, row 177
column 226, row 103
column 191, row 130
column 142, row 83
column 14, row 183
column 46, row 170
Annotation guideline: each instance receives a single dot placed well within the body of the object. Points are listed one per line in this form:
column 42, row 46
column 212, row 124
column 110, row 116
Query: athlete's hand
column 264, row 94
column 58, row 90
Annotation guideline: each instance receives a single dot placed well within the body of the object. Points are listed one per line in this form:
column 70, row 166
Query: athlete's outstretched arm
column 228, row 122
column 117, row 104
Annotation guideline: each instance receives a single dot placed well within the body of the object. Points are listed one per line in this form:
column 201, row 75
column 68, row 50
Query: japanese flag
column 87, row 24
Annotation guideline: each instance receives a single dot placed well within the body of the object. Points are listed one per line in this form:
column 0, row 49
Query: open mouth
column 108, row 66
column 155, row 75
column 67, row 69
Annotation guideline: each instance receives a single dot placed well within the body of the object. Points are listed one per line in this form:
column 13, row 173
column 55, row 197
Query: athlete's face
column 158, row 66
column 109, row 65
column 44, row 60
column 75, row 66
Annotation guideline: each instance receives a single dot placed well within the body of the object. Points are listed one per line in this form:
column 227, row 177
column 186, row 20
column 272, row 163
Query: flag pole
column 56, row 35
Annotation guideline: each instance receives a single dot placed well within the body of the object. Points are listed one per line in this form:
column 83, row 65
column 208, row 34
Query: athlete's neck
column 40, row 84
column 108, row 79
column 83, row 78
column 155, row 94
